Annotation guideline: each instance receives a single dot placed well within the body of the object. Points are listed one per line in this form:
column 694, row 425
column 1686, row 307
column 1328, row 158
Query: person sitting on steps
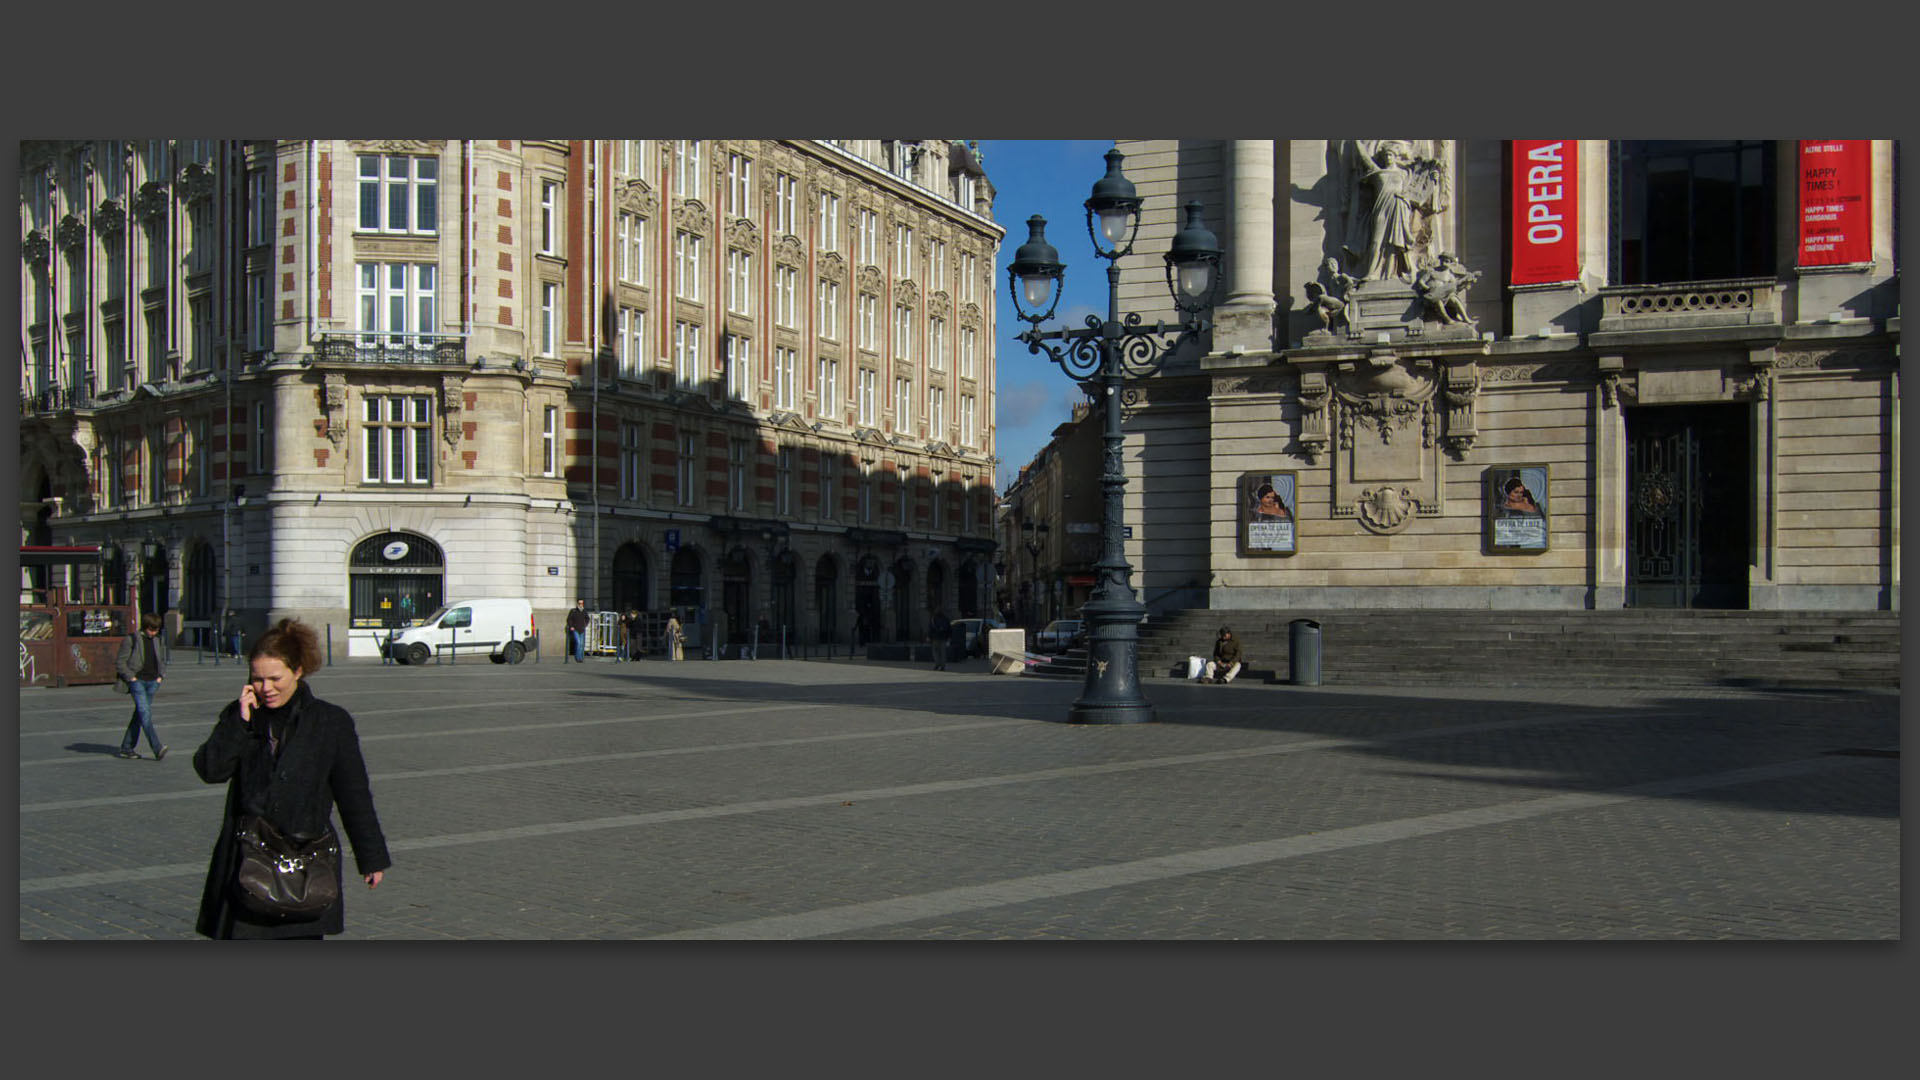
column 1226, row 659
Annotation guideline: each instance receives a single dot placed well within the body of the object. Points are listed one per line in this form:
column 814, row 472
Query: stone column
column 1243, row 322
column 1607, row 503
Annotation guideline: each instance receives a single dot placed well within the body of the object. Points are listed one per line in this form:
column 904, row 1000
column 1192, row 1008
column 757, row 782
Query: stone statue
column 1330, row 308
column 1391, row 197
column 1443, row 284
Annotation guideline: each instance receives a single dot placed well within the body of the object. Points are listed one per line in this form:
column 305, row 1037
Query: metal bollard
column 329, row 644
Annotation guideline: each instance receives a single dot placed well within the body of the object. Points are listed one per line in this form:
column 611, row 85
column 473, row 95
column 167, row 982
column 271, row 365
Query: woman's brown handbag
column 284, row 878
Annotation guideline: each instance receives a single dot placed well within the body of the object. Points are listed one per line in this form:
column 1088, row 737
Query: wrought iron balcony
column 391, row 349
column 54, row 399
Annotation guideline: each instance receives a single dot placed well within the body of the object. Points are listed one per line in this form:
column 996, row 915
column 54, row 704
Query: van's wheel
column 514, row 652
column 496, row 658
column 418, row 653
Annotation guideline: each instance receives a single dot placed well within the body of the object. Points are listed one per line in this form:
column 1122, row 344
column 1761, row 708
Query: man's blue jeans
column 577, row 645
column 141, row 690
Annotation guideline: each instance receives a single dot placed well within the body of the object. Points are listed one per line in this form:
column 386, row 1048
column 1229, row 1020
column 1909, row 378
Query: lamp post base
column 1119, row 712
column 1112, row 691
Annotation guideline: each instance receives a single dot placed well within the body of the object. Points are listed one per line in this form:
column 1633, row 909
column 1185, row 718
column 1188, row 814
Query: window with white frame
column 199, row 455
column 963, row 189
column 786, row 286
column 399, row 193
column 549, row 319
column 867, row 394
column 398, row 433
column 549, row 217
column 966, row 421
column 869, row 321
column 633, row 158
column 966, row 352
column 550, row 440
column 937, row 265
column 686, row 169
column 739, row 282
column 630, row 343
column 683, row 475
column 686, row 354
column 935, row 519
column 829, row 389
column 902, row 495
column 739, row 186
column 738, row 362
column 737, row 491
column 829, row 224
column 869, row 238
column 866, row 494
column 967, row 270
column 783, row 482
column 631, row 256
column 114, row 339
column 398, row 300
column 829, row 310
column 686, row 266
column 632, row 460
column 786, row 370
column 786, row 201
column 259, row 313
column 902, row 405
column 903, row 252
column 936, row 344
column 902, row 332
column 829, row 485
column 936, row 412
column 259, row 206
column 200, row 323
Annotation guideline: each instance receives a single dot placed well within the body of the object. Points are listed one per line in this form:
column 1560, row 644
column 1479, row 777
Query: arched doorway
column 937, row 588
column 394, row 579
column 826, row 586
column 736, row 591
column 630, row 591
column 866, row 599
column 687, row 593
column 967, row 589
column 902, row 600
column 786, row 574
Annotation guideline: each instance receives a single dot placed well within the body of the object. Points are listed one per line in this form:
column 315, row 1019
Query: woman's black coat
column 319, row 767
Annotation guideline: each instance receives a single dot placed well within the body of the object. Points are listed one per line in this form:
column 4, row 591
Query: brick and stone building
column 1561, row 374
column 344, row 379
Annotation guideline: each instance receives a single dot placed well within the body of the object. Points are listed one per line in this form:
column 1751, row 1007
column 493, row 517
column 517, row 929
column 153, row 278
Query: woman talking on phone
column 288, row 759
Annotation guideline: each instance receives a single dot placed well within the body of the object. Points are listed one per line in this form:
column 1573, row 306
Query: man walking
column 939, row 630
column 141, row 665
column 577, row 632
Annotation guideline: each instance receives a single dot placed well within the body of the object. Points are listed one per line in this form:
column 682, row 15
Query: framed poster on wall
column 1516, row 509
column 1264, row 509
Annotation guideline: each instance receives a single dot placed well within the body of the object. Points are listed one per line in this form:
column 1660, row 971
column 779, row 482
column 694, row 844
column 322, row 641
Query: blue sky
column 1051, row 178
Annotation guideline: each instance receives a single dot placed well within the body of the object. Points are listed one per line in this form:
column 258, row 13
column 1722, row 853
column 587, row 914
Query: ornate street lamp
column 1101, row 357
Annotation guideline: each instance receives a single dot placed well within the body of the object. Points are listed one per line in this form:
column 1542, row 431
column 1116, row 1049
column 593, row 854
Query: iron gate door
column 1687, row 507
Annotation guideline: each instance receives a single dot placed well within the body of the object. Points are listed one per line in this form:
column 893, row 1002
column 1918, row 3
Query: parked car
column 1060, row 635
column 971, row 634
column 501, row 629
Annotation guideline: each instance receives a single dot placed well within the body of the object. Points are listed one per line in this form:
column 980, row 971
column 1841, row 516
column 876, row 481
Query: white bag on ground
column 1195, row 666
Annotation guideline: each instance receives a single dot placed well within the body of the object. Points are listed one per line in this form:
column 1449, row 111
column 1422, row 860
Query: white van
column 500, row 628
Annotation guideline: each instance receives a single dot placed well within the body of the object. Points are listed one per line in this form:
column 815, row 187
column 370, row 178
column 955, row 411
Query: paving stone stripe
column 625, row 821
column 855, row 918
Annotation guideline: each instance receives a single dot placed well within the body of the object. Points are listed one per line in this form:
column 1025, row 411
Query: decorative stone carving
column 151, row 201
column 637, row 196
column 1443, row 284
column 970, row 315
column 450, row 402
column 1387, row 509
column 869, row 280
column 399, row 146
column 110, row 218
column 1248, row 384
column 1313, row 414
column 36, row 249
column 832, row 266
column 906, row 292
column 70, row 233
column 333, row 399
column 1331, row 309
column 1610, row 390
column 743, row 233
column 196, row 182
column 1391, row 193
column 791, row 251
column 692, row 215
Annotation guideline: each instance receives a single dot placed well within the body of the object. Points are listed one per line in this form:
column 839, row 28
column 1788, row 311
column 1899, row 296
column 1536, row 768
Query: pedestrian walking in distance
column 294, row 759
column 939, row 630
column 577, row 632
column 142, row 665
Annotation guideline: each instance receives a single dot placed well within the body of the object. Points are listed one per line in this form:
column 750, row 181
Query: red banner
column 1546, row 211
column 1836, row 201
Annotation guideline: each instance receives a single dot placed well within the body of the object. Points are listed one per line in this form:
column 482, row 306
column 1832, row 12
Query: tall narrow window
column 937, row 265
column 966, row 421
column 258, row 444
column 739, row 365
column 686, row 263
column 785, row 371
column 829, row 224
column 829, row 310
column 935, row 519
column 684, row 470
column 549, row 440
column 786, row 197
column 739, row 282
column 398, row 194
column 902, row 332
column 783, row 482
column 630, row 343
column 936, row 413
column 399, row 301
column 869, row 238
column 903, row 252
column 866, row 495
column 869, row 321
column 966, row 353
column 631, row 256
column 549, row 319
column 686, row 354
column 786, row 283
column 549, row 217
column 903, row 405
column 398, row 433
column 967, row 270
column 868, row 393
column 737, row 450
column 632, row 460
column 259, row 207
column 829, row 485
column 902, row 495
column 633, row 158
column 829, row 389
column 259, row 313
column 739, row 186
column 686, row 168
column 199, row 456
column 936, row 344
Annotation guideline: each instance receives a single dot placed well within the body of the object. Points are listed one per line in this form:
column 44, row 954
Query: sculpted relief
column 1391, row 195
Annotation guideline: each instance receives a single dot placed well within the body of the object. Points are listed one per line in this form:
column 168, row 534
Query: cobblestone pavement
column 854, row 800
